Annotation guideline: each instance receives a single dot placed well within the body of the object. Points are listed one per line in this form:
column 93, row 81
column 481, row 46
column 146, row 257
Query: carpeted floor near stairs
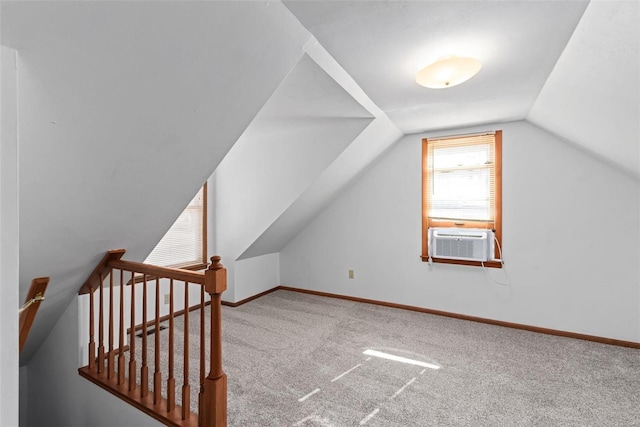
column 295, row 359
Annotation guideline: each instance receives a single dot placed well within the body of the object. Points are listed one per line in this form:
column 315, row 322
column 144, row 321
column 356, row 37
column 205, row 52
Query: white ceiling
column 383, row 44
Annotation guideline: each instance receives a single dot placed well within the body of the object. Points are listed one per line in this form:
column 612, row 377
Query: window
column 185, row 244
column 462, row 187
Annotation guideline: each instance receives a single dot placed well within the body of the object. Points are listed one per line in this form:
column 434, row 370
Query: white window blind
column 183, row 243
column 461, row 178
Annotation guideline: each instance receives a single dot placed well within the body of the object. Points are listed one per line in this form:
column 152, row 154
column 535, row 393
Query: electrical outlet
column 166, row 298
column 351, row 274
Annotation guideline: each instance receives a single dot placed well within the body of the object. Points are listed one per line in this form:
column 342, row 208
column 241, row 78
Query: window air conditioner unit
column 468, row 244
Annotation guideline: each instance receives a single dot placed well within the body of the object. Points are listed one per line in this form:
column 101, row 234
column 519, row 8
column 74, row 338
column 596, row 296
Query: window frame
column 495, row 225
column 201, row 263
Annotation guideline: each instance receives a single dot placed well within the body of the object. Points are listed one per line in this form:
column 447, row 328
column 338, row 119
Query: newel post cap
column 215, row 277
column 215, row 263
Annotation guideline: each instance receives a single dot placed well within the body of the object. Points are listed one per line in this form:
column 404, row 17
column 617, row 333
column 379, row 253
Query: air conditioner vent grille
column 454, row 248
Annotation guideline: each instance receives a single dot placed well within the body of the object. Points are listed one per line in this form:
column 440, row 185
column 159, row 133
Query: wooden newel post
column 215, row 384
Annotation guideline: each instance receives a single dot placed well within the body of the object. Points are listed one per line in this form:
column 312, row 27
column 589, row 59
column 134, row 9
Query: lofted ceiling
column 135, row 103
column 383, row 44
column 570, row 67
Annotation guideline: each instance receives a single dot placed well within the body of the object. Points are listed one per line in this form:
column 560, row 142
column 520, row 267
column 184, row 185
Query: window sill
column 192, row 267
column 492, row 264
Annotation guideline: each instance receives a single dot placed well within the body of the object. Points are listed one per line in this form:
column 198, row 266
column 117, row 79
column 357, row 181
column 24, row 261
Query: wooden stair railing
column 35, row 295
column 120, row 365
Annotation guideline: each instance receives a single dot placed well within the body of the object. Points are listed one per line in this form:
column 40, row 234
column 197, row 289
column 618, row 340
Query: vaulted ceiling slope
column 305, row 125
column 375, row 135
column 592, row 97
column 125, row 109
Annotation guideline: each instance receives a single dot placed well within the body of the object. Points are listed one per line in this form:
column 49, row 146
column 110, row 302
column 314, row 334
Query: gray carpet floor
column 294, row 359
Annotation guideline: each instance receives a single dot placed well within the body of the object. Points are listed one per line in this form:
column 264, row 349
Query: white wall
column 9, row 243
column 261, row 176
column 24, row 396
column 561, row 269
column 255, row 275
column 61, row 397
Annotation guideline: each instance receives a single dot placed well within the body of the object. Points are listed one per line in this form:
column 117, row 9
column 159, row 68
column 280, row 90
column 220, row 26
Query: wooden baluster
column 101, row 327
column 215, row 387
column 144, row 369
column 92, row 342
column 157, row 375
column 121, row 332
column 171, row 381
column 202, row 356
column 186, row 389
column 132, row 338
column 110, row 359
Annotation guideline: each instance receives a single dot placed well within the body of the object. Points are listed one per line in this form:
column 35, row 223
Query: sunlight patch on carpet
column 400, row 359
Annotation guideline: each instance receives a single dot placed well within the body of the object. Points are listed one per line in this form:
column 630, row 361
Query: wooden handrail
column 159, row 272
column 101, row 269
column 35, row 295
column 134, row 384
column 112, row 259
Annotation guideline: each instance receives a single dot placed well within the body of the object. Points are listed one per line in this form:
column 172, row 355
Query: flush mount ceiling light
column 448, row 72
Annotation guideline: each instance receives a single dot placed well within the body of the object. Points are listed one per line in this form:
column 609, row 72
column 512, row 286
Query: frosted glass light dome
column 448, row 72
